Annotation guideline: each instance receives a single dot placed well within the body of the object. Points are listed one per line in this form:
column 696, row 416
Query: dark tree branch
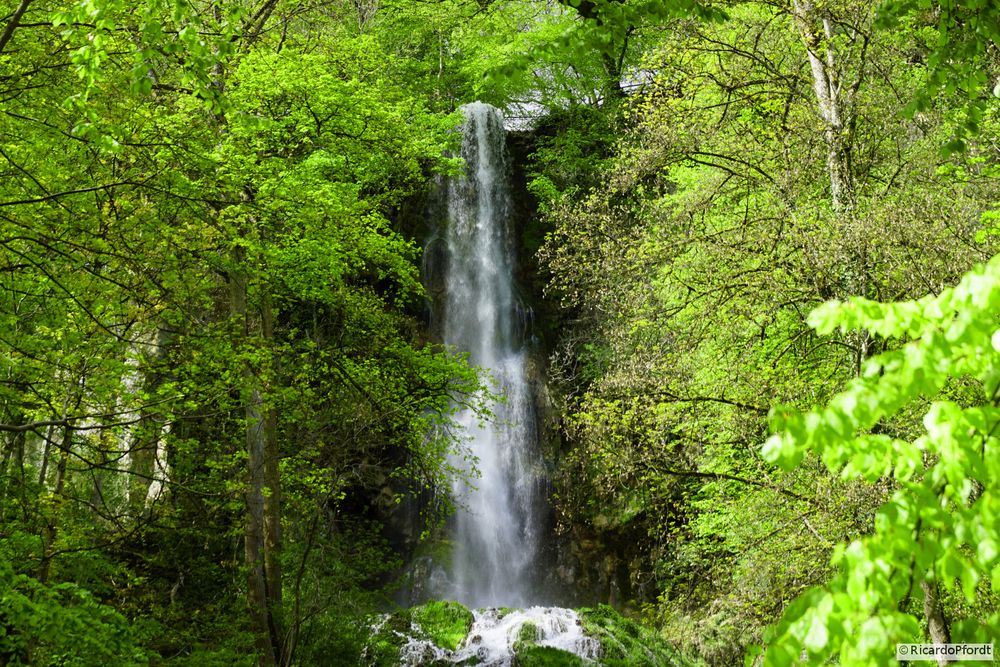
column 66, row 193
column 12, row 24
column 743, row 480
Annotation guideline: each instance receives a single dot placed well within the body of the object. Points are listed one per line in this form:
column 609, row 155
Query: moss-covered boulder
column 444, row 623
column 527, row 652
column 426, row 632
column 625, row 643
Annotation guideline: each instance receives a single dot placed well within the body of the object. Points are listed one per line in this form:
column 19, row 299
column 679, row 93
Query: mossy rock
column 444, row 623
column 625, row 643
column 533, row 655
column 529, row 633
column 383, row 646
column 527, row 652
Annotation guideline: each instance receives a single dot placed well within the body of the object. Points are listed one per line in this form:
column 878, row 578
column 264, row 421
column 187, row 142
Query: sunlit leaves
column 155, row 32
column 942, row 521
column 962, row 34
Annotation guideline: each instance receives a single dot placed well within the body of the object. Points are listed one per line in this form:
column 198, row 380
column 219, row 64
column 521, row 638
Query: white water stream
column 497, row 525
column 497, row 529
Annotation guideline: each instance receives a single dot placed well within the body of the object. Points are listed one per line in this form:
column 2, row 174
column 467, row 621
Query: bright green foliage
column 570, row 146
column 171, row 43
column 686, row 265
column 61, row 625
column 962, row 35
column 584, row 51
column 942, row 522
column 513, row 45
column 134, row 215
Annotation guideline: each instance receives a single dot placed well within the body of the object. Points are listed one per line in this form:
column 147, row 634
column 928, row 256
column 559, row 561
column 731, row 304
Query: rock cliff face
column 603, row 561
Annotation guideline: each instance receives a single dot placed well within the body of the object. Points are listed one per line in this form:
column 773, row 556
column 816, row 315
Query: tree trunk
column 43, row 468
column 272, row 502
column 255, row 544
column 51, row 528
column 12, row 466
column 262, row 537
column 835, row 105
column 817, row 33
column 937, row 626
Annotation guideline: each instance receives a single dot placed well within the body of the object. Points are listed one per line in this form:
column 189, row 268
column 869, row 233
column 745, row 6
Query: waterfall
column 497, row 523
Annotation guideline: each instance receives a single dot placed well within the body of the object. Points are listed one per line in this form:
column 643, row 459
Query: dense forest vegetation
column 760, row 240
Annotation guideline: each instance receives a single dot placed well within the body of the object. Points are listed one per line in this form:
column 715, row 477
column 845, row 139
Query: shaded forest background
column 217, row 387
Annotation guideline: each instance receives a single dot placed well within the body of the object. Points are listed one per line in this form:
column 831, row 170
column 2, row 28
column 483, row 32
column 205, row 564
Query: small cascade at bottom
column 444, row 633
column 492, row 640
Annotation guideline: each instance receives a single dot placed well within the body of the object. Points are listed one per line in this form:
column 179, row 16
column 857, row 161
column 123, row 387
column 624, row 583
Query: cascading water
column 491, row 640
column 500, row 524
column 497, row 524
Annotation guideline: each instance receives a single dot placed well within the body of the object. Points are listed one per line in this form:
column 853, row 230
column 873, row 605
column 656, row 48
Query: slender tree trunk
column 835, row 105
column 5, row 457
column 262, row 538
column 272, row 502
column 818, row 35
column 937, row 626
column 98, row 504
column 254, row 537
column 51, row 528
column 12, row 470
column 43, row 469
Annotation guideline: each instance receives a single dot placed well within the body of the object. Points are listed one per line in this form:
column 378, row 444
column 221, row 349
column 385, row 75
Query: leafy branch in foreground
column 942, row 524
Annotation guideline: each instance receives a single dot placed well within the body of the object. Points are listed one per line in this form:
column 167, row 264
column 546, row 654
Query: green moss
column 444, row 623
column 528, row 632
column 383, row 645
column 625, row 643
column 532, row 655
